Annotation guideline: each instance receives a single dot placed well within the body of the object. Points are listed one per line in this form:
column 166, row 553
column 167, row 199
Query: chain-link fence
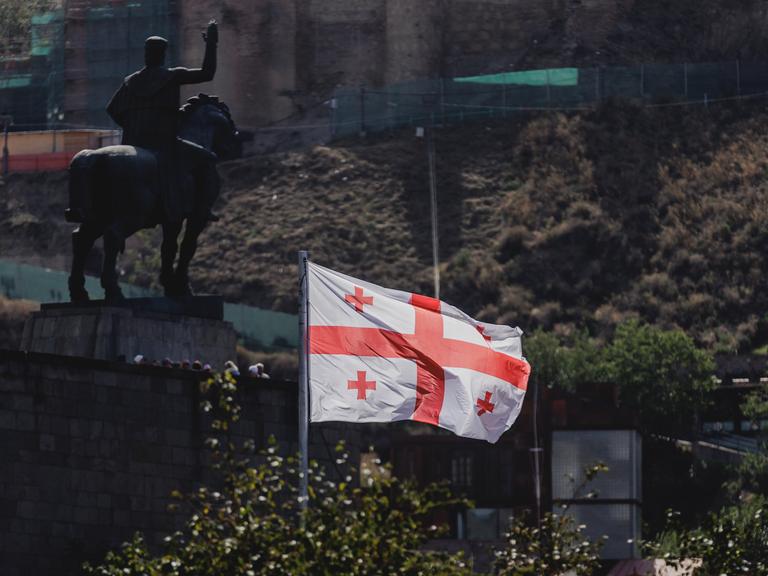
column 444, row 101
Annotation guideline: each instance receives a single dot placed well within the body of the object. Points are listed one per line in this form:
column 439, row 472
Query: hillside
column 550, row 220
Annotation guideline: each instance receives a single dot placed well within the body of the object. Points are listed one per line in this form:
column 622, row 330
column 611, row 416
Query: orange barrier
column 44, row 150
column 39, row 162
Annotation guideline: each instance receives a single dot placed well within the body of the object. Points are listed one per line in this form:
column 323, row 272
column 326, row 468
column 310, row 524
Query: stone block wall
column 90, row 451
column 256, row 63
column 277, row 55
column 493, row 34
column 112, row 333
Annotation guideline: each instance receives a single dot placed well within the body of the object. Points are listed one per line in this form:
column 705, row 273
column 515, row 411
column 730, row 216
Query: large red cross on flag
column 380, row 355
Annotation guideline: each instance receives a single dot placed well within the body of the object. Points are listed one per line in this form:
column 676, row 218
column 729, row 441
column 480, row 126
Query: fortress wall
column 90, row 451
column 256, row 63
column 343, row 42
column 487, row 35
column 312, row 46
column 414, row 39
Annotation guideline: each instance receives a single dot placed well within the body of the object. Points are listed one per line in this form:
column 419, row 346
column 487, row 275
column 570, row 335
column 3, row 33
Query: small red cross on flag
column 410, row 357
column 361, row 385
column 485, row 404
column 358, row 300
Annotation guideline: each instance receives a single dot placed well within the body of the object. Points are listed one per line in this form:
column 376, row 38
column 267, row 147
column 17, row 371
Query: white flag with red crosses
column 380, row 355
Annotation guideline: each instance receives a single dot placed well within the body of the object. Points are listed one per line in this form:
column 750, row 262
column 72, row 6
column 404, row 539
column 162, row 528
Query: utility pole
column 428, row 135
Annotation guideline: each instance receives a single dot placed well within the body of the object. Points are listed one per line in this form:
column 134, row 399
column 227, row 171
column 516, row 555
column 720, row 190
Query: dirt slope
column 558, row 221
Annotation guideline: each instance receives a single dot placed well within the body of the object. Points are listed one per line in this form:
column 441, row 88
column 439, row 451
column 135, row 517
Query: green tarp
column 551, row 77
column 259, row 328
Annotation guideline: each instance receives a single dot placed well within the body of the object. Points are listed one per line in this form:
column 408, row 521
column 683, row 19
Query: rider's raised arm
column 207, row 72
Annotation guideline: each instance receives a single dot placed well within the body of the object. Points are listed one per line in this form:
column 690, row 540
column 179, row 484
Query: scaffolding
column 105, row 43
column 25, row 77
column 78, row 55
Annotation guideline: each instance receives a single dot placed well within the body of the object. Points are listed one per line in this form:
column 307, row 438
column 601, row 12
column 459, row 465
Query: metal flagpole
column 433, row 208
column 303, row 382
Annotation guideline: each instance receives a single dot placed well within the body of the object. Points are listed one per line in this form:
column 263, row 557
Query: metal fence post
column 504, row 100
column 362, row 110
column 738, row 77
column 549, row 89
column 597, row 84
column 442, row 100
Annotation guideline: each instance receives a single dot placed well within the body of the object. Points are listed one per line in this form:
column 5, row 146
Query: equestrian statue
column 163, row 172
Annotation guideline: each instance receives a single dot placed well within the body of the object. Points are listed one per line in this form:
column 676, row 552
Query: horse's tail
column 81, row 174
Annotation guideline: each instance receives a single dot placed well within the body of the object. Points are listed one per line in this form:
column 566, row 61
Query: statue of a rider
column 146, row 107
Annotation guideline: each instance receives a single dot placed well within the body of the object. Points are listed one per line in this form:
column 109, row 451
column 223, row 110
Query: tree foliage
column 556, row 364
column 558, row 546
column 732, row 541
column 251, row 524
column 751, row 473
column 661, row 374
column 15, row 22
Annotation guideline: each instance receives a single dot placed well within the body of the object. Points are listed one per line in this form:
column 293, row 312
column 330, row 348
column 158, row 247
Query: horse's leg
column 82, row 241
column 168, row 250
column 195, row 226
column 113, row 244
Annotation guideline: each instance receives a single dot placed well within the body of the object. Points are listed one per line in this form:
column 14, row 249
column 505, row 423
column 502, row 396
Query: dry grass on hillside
column 552, row 220
column 13, row 314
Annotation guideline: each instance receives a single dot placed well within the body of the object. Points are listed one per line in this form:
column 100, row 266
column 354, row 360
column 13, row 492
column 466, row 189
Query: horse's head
column 206, row 121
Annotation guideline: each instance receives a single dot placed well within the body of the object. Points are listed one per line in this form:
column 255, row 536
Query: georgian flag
column 380, row 355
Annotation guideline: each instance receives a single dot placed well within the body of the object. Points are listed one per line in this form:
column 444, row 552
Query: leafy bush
column 660, row 373
column 551, row 550
column 555, row 365
column 751, row 473
column 732, row 541
column 251, row 524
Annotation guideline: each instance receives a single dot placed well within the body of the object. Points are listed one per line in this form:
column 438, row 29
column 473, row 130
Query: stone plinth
column 157, row 328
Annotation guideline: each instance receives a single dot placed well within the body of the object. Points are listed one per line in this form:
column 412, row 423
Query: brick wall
column 90, row 450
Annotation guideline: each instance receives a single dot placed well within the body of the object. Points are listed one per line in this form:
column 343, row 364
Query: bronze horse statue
column 115, row 191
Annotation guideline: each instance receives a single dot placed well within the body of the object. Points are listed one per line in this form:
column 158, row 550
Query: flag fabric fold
column 381, row 355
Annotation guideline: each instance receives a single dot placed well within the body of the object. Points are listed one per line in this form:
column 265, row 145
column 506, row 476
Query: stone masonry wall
column 256, row 60
column 111, row 333
column 279, row 54
column 90, row 451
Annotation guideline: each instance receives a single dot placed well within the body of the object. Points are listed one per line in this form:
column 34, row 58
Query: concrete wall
column 90, row 451
column 277, row 55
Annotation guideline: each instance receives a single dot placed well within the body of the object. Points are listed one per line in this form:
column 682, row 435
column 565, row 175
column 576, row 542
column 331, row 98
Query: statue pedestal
column 157, row 328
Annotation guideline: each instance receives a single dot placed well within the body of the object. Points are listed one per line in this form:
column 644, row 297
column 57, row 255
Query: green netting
column 264, row 329
column 27, row 81
column 115, row 37
column 16, row 81
column 100, row 41
column 444, row 101
column 46, row 31
column 551, row 77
